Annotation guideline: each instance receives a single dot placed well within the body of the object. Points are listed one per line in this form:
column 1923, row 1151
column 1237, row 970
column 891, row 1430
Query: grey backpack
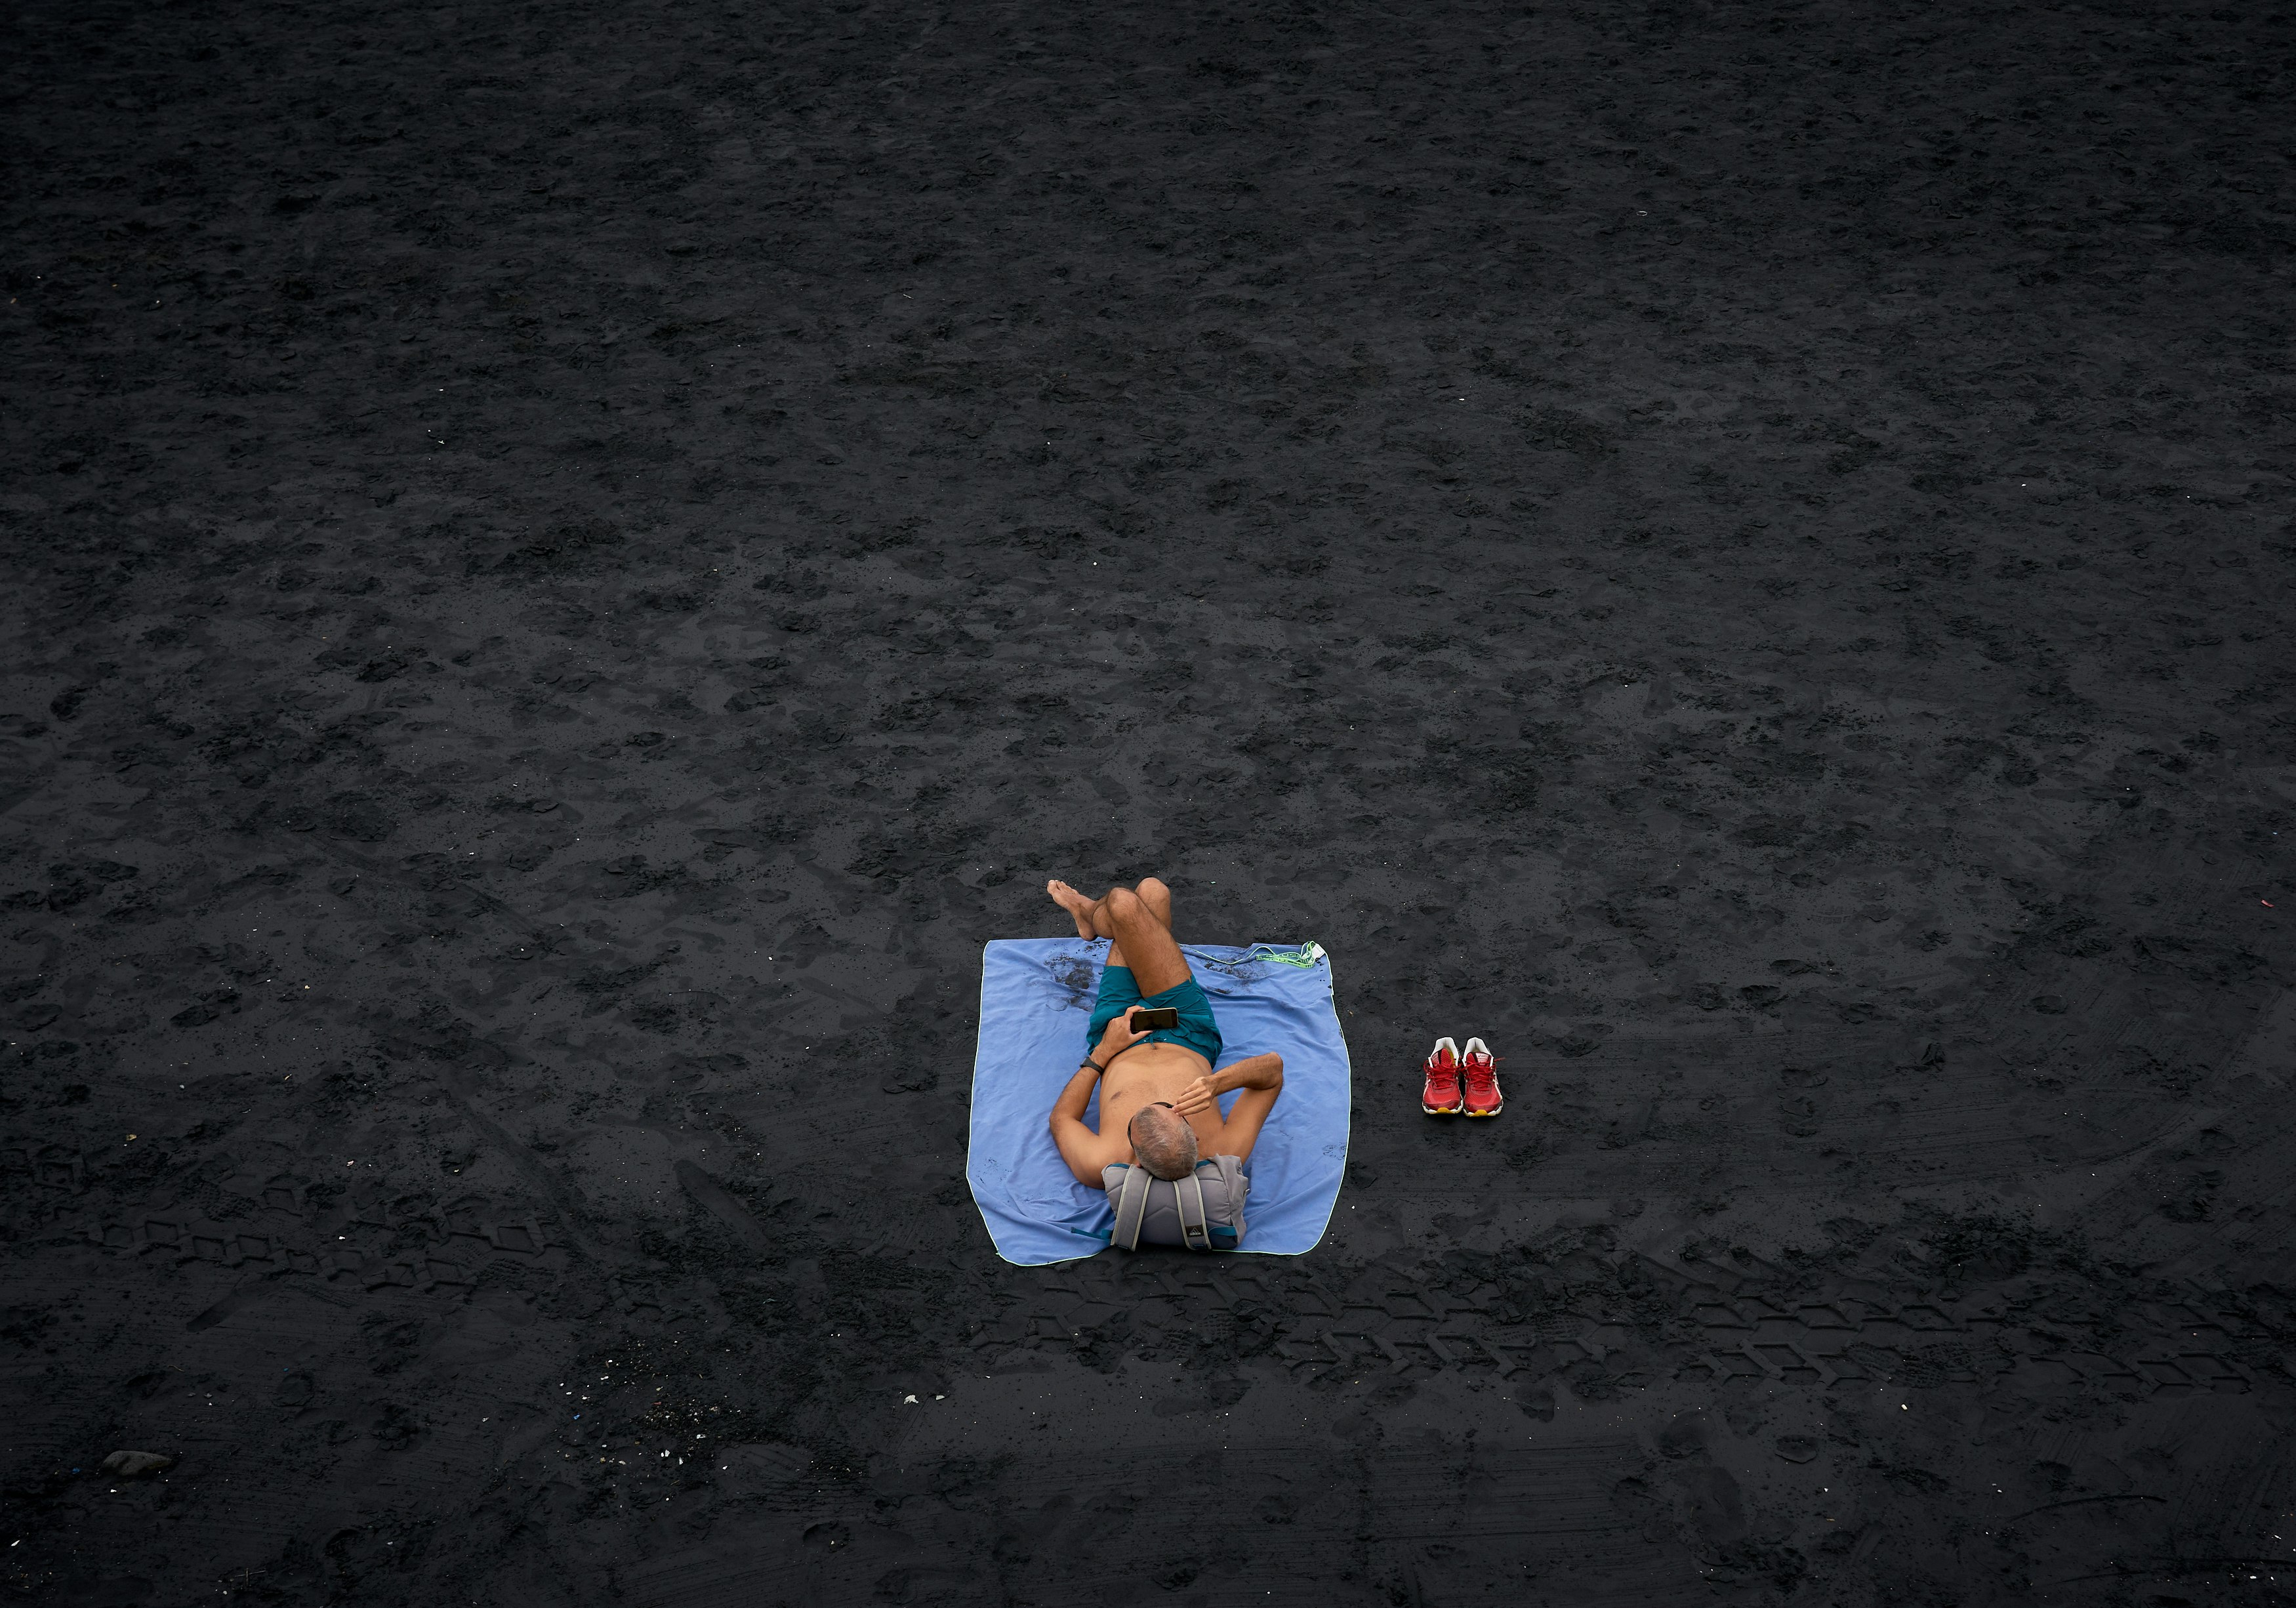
column 1203, row 1211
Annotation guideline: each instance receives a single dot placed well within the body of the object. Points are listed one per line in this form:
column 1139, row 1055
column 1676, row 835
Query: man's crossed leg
column 1139, row 921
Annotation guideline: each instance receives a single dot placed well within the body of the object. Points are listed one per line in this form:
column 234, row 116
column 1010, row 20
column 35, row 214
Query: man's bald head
column 1163, row 1143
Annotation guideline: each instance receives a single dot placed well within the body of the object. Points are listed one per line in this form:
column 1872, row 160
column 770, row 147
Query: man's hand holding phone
column 1117, row 1038
column 1129, row 1028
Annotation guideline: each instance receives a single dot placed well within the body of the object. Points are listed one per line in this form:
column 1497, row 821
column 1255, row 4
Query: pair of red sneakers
column 1462, row 1083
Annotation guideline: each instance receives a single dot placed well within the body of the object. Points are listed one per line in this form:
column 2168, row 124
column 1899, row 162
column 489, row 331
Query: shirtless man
column 1157, row 1105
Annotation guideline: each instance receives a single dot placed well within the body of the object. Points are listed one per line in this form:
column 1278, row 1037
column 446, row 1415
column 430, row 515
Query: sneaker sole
column 1440, row 1110
column 1494, row 1112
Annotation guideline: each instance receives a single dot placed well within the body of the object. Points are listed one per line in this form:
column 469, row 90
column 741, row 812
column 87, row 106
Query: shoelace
column 1483, row 1072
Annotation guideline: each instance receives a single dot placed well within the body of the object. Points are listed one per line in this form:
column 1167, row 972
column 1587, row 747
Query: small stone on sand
column 130, row 1466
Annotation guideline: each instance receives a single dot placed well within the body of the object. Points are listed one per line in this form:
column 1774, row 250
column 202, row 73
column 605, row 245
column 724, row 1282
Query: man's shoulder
column 1106, row 1156
column 1096, row 1151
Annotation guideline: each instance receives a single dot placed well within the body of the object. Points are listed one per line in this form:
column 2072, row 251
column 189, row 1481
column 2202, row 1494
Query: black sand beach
column 569, row 565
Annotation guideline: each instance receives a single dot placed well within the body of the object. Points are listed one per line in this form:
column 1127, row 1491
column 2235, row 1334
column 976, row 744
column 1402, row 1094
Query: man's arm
column 1261, row 1079
column 1079, row 1146
column 1085, row 1151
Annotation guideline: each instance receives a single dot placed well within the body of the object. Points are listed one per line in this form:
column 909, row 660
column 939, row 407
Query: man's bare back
column 1162, row 1072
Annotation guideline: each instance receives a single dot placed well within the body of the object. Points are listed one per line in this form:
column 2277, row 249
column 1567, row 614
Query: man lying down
column 1158, row 1105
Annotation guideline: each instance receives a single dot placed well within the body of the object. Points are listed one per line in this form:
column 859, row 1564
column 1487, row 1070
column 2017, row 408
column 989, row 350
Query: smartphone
column 1148, row 1022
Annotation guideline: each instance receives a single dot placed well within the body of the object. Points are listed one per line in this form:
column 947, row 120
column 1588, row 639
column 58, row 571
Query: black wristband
column 1095, row 1066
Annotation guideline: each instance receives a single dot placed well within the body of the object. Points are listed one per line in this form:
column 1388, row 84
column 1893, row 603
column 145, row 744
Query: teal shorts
column 1119, row 994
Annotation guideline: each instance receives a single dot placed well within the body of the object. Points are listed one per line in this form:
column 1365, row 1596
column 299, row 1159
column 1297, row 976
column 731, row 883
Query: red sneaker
column 1440, row 1097
column 1483, row 1072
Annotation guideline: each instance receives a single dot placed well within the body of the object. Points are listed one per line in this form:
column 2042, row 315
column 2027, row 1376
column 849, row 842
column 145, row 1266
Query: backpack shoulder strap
column 1239, row 1185
column 1195, row 1232
column 1131, row 1205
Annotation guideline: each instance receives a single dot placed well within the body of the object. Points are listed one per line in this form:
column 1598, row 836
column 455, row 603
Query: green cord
column 1304, row 957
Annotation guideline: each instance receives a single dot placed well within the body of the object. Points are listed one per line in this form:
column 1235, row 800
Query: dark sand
column 569, row 564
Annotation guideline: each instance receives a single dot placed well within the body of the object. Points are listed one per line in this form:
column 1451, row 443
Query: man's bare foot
column 1078, row 907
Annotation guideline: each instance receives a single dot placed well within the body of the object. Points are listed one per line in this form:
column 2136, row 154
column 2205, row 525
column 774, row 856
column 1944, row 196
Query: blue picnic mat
column 1036, row 995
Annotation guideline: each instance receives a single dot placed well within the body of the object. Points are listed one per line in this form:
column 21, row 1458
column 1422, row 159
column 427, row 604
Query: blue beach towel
column 1036, row 1000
